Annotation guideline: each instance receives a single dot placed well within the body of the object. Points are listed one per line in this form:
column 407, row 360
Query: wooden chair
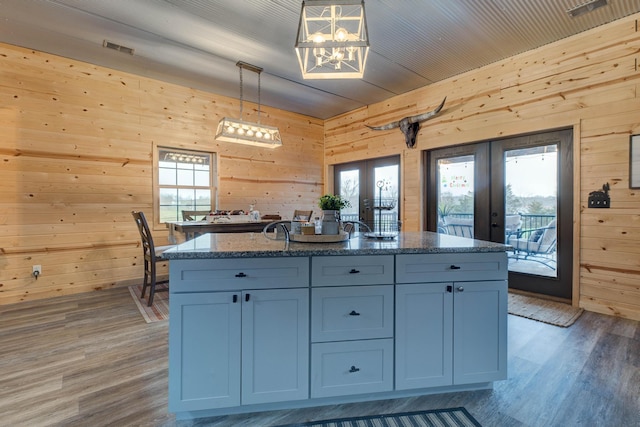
column 151, row 256
column 194, row 215
column 271, row 217
column 303, row 215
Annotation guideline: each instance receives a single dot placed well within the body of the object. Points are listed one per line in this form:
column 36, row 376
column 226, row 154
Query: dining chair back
column 302, row 215
column 151, row 255
column 194, row 215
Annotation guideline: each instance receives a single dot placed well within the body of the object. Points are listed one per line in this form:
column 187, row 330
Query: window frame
column 213, row 179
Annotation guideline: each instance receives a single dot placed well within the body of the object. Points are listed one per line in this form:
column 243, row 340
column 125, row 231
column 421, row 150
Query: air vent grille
column 119, row 48
column 586, row 7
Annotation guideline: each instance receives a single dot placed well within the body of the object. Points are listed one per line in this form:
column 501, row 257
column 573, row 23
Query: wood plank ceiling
column 197, row 42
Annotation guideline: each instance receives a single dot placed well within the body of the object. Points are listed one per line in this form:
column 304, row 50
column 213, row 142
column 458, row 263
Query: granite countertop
column 247, row 245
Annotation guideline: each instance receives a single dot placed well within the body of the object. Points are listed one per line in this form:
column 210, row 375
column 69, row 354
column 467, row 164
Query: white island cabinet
column 232, row 343
column 258, row 324
column 451, row 319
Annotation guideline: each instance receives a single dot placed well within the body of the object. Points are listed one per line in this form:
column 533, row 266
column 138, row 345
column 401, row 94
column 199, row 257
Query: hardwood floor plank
column 91, row 360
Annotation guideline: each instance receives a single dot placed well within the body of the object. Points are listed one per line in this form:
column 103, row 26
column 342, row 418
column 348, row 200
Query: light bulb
column 258, row 134
column 341, row 34
column 231, row 129
column 318, row 38
column 250, row 132
column 240, row 131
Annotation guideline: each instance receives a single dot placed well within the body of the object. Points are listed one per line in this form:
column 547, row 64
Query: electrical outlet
column 37, row 271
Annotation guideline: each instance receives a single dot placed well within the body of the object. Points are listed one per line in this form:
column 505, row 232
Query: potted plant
column 331, row 206
column 330, row 202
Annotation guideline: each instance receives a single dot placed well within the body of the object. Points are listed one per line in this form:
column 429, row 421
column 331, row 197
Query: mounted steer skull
column 410, row 125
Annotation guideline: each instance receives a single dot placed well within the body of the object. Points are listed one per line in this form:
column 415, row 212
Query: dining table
column 192, row 229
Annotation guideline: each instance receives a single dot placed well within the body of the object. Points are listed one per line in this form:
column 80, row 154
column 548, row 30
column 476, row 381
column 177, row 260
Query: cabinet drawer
column 420, row 268
column 351, row 313
column 233, row 274
column 352, row 270
column 351, row 367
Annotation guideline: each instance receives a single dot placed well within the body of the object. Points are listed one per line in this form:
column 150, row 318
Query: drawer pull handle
column 354, row 313
column 354, row 369
column 460, row 289
column 449, row 288
column 241, row 275
column 455, row 267
column 354, row 271
column 246, row 297
column 235, row 299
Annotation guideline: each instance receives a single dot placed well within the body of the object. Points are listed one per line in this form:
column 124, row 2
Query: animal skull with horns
column 410, row 125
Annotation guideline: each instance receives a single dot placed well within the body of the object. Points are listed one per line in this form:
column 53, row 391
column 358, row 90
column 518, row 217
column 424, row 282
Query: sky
column 529, row 175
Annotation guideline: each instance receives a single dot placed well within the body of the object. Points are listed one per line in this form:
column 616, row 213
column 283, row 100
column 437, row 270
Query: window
column 185, row 181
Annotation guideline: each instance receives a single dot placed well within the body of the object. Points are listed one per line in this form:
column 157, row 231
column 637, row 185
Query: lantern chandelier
column 241, row 132
column 332, row 41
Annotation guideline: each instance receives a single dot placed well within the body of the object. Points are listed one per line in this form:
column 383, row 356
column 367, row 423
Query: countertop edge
column 216, row 250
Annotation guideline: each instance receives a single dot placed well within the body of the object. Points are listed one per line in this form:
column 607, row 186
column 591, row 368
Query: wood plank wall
column 76, row 144
column 589, row 82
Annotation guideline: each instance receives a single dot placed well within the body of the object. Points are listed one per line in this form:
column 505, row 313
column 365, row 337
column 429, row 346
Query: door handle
column 354, row 369
column 354, row 313
column 354, row 271
column 455, row 267
column 247, row 297
column 241, row 275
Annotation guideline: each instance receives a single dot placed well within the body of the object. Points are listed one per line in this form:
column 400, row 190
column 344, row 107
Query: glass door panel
column 349, row 189
column 455, row 178
column 373, row 189
column 531, row 205
column 385, row 199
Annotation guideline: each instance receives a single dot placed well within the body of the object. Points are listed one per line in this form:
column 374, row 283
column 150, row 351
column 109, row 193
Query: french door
column 373, row 188
column 517, row 191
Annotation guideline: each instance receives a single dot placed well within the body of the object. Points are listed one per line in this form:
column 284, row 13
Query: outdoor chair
column 352, row 226
column 194, row 215
column 461, row 227
column 512, row 224
column 536, row 244
column 152, row 255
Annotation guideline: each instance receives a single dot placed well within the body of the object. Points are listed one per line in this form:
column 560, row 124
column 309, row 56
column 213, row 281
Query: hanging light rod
column 243, row 132
column 249, row 67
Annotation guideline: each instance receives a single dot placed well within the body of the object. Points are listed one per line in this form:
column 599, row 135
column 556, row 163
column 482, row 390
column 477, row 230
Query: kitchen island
column 259, row 324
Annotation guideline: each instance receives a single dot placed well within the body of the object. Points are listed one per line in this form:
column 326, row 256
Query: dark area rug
column 452, row 417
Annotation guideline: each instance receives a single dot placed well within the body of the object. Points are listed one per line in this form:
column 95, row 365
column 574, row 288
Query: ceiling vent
column 586, row 7
column 119, row 48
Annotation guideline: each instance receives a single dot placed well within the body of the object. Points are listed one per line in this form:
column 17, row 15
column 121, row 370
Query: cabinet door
column 423, row 335
column 480, row 332
column 204, row 355
column 275, row 345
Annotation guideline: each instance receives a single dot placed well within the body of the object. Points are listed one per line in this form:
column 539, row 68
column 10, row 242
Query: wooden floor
column 91, row 360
